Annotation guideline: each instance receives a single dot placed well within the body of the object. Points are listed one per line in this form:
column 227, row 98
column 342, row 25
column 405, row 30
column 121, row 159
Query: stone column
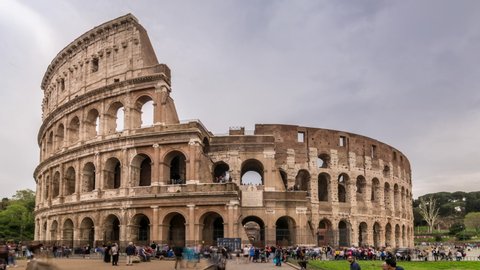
column 190, row 228
column 155, row 167
column 154, row 226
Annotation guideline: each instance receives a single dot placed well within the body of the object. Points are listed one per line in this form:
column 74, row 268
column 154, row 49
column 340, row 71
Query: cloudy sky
column 404, row 72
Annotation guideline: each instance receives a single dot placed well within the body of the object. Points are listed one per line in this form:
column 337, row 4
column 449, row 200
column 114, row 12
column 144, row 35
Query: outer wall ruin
column 106, row 175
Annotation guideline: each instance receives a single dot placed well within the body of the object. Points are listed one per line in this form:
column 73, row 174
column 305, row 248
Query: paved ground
column 97, row 264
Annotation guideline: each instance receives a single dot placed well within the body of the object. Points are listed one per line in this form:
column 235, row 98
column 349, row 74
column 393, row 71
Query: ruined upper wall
column 113, row 52
column 324, row 140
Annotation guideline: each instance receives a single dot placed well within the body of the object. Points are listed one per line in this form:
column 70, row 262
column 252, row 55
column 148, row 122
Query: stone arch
column 325, row 233
column 143, row 112
column 113, row 173
column 69, row 184
column 141, row 229
column 88, row 175
column 323, row 160
column 388, row 235
column 174, row 229
column 44, row 230
column 92, row 124
column 50, row 147
column 212, row 227
column 404, row 237
column 252, row 172
column 60, row 136
column 396, row 200
column 402, row 201
column 323, row 187
column 375, row 190
column 285, row 227
column 302, row 181
column 54, row 231
column 221, row 172
column 343, row 193
column 362, row 234
column 111, row 229
column 56, row 185
column 141, row 169
column 377, row 229
column 47, row 187
column 386, row 197
column 74, row 130
column 176, row 171
column 344, row 233
column 68, row 233
column 397, row 236
column 361, row 188
column 114, row 118
column 284, row 177
column 87, row 231
column 255, row 229
column 205, row 145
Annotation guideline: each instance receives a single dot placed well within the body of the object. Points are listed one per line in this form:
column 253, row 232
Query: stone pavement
column 97, row 264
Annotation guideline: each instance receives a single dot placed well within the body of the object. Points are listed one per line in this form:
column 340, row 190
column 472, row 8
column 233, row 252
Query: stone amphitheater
column 117, row 164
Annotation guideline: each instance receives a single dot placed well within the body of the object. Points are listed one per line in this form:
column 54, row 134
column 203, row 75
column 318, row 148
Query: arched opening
column 56, row 185
column 376, row 234
column 141, row 169
column 362, row 234
column 212, row 228
column 255, row 229
column 91, row 124
column 397, row 236
column 285, row 231
column 206, row 145
column 68, row 233
column 302, row 181
column 142, row 229
column 402, row 201
column 87, row 232
column 74, row 130
column 342, row 187
column 175, row 234
column 177, row 172
column 283, row 176
column 47, row 188
column 54, row 231
column 142, row 115
column 88, row 176
column 113, row 173
column 114, row 118
column 111, row 229
column 221, row 172
column 361, row 189
column 388, row 235
column 386, row 197
column 386, row 171
column 70, row 181
column 404, row 239
column 375, row 190
column 252, row 172
column 323, row 161
column 44, row 230
column 324, row 233
column 396, row 200
column 50, row 143
column 60, row 136
column 323, row 182
column 343, row 234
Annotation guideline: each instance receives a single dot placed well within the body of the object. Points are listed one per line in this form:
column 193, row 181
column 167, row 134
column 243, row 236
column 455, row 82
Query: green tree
column 456, row 228
column 472, row 221
column 17, row 220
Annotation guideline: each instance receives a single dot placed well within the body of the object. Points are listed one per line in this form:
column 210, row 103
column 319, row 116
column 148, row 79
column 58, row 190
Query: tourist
column 353, row 264
column 114, row 252
column 391, row 264
column 130, row 251
column 178, row 256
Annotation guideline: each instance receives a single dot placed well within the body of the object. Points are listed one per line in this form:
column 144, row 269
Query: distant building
column 106, row 175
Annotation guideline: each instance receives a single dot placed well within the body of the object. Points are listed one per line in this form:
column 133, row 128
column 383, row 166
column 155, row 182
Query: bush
column 465, row 235
column 456, row 228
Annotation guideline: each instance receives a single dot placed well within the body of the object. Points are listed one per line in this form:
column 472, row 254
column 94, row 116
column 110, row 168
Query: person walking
column 130, row 251
column 391, row 264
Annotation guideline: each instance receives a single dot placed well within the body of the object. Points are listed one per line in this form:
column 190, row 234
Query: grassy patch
column 376, row 265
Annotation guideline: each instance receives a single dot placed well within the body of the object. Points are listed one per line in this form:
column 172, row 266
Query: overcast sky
column 403, row 72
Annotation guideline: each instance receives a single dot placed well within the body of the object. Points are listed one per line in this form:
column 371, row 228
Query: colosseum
column 117, row 164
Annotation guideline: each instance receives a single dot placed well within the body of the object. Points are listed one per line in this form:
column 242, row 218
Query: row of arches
column 95, row 122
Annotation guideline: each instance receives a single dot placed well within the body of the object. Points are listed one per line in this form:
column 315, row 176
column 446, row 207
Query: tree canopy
column 17, row 217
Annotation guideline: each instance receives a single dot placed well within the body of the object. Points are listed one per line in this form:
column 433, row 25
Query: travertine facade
column 106, row 176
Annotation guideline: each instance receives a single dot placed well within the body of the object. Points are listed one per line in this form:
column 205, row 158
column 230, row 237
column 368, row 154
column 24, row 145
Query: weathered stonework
column 175, row 182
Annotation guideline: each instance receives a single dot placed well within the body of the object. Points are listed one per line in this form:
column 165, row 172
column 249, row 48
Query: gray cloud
column 404, row 72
